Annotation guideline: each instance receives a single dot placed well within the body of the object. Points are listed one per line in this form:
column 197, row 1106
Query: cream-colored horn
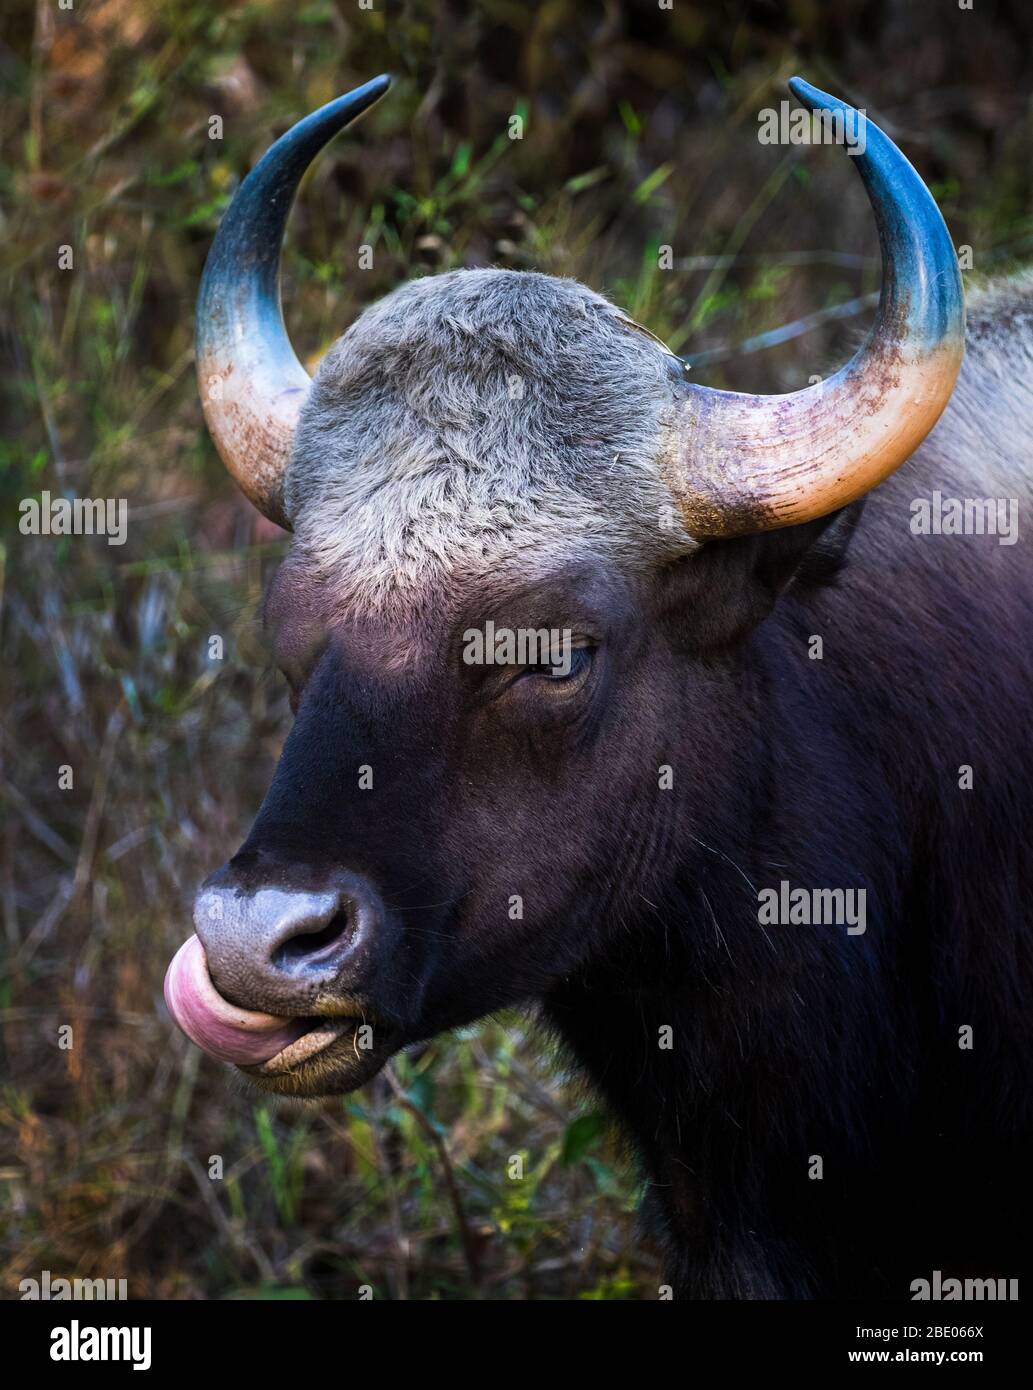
column 252, row 384
column 739, row 463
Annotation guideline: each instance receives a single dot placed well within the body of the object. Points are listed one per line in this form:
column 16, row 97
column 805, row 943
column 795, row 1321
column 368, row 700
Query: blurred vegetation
column 640, row 132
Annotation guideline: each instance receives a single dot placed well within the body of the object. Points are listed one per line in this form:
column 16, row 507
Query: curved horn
column 252, row 384
column 739, row 463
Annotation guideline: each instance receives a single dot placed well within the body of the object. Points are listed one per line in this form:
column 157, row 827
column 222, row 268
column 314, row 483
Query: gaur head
column 527, row 555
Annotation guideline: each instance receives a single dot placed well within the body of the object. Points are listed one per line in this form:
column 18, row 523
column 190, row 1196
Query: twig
column 846, row 260
column 787, row 331
column 71, row 887
column 38, row 826
column 469, row 1245
column 233, row 1235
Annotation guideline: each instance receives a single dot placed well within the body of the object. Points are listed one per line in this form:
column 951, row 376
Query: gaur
column 777, row 682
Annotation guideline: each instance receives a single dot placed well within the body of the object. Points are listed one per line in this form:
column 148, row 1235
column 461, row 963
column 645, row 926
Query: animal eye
column 580, row 660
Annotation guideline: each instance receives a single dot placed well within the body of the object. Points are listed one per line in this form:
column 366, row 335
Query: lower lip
column 305, row 1048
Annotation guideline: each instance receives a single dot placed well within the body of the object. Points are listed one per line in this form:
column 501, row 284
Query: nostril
column 317, row 945
column 273, row 948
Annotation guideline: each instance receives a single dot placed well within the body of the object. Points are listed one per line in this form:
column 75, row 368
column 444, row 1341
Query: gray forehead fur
column 478, row 419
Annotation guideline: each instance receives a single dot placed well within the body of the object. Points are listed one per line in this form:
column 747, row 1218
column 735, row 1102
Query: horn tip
column 811, row 96
column 354, row 103
column 375, row 88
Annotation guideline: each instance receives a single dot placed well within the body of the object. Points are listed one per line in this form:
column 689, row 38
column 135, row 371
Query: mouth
column 307, row 1056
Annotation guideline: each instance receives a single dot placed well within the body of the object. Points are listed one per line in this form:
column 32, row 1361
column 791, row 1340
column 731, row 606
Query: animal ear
column 718, row 594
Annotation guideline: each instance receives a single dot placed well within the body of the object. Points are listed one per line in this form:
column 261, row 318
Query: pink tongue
column 218, row 1027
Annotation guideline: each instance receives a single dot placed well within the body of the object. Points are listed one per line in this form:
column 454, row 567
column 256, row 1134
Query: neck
column 717, row 1039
